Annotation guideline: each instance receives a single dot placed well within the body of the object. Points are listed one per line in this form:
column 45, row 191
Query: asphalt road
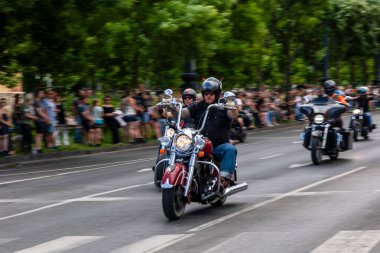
column 107, row 203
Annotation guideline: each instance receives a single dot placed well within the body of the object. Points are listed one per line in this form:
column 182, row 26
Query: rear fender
column 177, row 176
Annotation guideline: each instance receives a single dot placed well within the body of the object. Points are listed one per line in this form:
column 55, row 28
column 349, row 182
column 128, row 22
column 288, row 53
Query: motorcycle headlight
column 356, row 112
column 165, row 141
column 319, row 118
column 183, row 142
column 170, row 132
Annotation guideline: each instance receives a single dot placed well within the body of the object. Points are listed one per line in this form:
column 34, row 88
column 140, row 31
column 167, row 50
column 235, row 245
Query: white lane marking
column 72, row 172
column 152, row 244
column 297, row 142
column 80, row 156
column 271, row 156
column 7, row 240
column 104, row 199
column 71, row 201
column 145, row 170
column 62, row 244
column 234, row 244
column 78, row 167
column 350, row 242
column 297, row 165
column 298, row 130
column 266, row 202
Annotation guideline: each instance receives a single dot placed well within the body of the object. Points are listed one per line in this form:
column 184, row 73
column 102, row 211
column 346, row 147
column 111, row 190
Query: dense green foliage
column 119, row 43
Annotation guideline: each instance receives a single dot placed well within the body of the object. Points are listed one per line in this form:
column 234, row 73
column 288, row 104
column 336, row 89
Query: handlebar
column 173, row 103
column 218, row 105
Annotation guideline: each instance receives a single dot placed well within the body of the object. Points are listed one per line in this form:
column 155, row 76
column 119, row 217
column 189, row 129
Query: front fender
column 174, row 177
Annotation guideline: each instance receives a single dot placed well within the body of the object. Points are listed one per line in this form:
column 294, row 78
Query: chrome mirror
column 168, row 93
column 229, row 96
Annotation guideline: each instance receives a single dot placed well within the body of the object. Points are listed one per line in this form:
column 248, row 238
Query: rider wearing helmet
column 188, row 96
column 362, row 101
column 217, row 127
column 333, row 93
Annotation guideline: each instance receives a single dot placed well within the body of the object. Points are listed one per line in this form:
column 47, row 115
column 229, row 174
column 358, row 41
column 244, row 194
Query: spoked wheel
column 334, row 155
column 158, row 173
column 316, row 151
column 173, row 202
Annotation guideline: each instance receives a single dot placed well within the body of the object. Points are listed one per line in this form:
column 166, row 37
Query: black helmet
column 212, row 84
column 189, row 93
column 329, row 86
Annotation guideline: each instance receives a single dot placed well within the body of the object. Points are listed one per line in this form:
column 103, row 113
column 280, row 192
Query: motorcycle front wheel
column 173, row 202
column 316, row 151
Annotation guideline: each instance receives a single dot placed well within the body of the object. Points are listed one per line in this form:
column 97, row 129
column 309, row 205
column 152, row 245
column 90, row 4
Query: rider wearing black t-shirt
column 217, row 126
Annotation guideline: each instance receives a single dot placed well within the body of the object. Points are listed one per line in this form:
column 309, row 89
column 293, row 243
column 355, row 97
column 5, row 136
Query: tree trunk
column 352, row 71
column 364, row 65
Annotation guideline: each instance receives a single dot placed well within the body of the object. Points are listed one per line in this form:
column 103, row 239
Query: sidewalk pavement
column 14, row 160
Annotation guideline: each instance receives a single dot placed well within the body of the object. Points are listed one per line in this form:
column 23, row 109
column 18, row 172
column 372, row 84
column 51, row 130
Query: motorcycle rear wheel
column 334, row 156
column 316, row 151
column 173, row 202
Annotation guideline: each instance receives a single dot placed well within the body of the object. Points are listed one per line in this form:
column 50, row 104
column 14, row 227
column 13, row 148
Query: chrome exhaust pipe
column 236, row 188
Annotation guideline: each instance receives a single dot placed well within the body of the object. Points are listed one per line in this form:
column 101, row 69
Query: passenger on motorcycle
column 188, row 97
column 362, row 101
column 217, row 127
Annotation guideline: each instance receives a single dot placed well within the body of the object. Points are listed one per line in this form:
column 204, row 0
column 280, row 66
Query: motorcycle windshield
column 329, row 109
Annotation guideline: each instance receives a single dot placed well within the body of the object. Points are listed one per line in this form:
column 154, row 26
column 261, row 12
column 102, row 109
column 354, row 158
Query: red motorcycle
column 192, row 174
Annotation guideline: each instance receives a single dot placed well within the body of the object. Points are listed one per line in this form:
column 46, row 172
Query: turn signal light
column 201, row 154
column 162, row 151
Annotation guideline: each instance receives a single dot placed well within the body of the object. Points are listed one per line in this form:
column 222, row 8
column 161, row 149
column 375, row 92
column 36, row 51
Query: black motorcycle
column 359, row 124
column 325, row 135
column 237, row 132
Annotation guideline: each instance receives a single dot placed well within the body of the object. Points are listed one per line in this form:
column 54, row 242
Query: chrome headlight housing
column 183, row 142
column 356, row 112
column 200, row 143
column 319, row 118
column 165, row 141
column 170, row 132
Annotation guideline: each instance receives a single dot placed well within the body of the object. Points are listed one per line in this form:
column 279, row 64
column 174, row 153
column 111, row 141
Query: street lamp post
column 190, row 77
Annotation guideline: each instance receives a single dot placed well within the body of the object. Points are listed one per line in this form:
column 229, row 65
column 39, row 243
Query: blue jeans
column 78, row 131
column 226, row 153
column 299, row 114
column 368, row 118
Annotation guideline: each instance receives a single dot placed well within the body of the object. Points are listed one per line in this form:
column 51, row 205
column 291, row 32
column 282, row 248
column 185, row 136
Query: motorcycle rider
column 332, row 94
column 362, row 101
column 217, row 127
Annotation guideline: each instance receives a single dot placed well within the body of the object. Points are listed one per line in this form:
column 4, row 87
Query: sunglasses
column 209, row 93
column 187, row 98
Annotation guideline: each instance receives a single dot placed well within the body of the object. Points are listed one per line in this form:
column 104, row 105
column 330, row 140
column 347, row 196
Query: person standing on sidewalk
column 42, row 120
column 109, row 119
column 27, row 122
column 61, row 123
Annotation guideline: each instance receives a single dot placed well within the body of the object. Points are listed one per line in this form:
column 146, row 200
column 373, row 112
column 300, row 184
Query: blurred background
column 117, row 44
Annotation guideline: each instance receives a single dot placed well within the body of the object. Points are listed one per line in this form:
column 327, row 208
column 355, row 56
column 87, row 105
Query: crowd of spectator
column 41, row 120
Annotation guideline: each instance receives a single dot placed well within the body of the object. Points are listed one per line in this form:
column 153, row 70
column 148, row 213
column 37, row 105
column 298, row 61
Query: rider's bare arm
column 185, row 113
column 233, row 114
